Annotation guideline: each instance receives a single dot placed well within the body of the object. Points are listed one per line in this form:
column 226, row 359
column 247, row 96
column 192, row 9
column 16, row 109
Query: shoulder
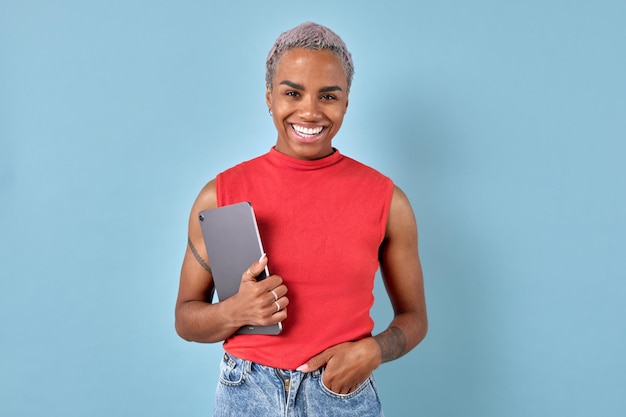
column 400, row 200
column 401, row 219
column 207, row 198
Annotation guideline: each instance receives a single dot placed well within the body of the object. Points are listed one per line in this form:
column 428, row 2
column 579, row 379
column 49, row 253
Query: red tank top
column 322, row 223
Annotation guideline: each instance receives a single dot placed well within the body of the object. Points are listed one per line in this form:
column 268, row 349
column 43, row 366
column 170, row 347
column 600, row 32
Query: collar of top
column 283, row 160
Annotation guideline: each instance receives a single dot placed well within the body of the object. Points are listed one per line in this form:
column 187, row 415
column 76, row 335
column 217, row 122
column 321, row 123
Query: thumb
column 255, row 269
column 316, row 362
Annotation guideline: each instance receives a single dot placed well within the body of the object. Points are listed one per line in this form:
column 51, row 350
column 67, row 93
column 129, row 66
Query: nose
column 309, row 108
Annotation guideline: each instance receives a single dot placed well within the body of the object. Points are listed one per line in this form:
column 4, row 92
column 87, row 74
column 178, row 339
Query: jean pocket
column 232, row 371
column 362, row 386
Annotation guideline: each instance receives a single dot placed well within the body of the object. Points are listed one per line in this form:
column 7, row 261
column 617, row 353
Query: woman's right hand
column 197, row 318
column 260, row 303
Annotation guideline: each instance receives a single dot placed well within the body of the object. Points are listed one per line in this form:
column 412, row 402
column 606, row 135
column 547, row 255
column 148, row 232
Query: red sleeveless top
column 321, row 223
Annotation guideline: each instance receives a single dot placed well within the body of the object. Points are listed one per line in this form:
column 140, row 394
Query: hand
column 261, row 303
column 347, row 364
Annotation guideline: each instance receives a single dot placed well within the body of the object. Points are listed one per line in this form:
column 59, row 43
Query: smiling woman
column 308, row 98
column 327, row 223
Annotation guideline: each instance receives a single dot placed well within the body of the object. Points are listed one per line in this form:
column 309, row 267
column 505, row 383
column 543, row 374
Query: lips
column 307, row 133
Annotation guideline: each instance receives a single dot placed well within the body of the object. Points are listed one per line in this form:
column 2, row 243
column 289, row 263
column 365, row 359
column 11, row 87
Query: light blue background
column 504, row 122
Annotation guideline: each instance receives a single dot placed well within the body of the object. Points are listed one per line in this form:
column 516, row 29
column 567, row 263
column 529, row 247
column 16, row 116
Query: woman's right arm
column 197, row 319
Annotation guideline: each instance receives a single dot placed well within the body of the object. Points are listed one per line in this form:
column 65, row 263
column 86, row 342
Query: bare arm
column 402, row 273
column 350, row 363
column 200, row 321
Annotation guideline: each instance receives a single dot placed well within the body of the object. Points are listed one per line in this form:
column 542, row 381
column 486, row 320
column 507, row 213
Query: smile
column 307, row 132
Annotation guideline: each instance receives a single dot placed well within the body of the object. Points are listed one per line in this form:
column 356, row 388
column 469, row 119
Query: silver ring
column 277, row 306
column 275, row 296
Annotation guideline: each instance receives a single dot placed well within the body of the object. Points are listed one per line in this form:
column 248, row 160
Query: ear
column 268, row 97
column 347, row 102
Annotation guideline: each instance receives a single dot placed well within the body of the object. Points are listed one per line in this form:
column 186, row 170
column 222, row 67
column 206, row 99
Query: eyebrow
column 301, row 87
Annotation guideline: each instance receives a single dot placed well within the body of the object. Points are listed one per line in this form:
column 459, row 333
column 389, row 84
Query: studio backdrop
column 503, row 122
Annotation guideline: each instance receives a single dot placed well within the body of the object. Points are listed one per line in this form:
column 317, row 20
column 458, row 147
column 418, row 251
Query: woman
column 327, row 223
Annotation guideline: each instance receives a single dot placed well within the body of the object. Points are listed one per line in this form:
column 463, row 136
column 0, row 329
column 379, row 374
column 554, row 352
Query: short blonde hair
column 312, row 36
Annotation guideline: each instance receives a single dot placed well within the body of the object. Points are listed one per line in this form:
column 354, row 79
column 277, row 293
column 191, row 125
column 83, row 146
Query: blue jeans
column 247, row 389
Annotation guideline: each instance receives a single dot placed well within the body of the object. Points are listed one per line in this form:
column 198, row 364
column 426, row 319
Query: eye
column 328, row 97
column 292, row 93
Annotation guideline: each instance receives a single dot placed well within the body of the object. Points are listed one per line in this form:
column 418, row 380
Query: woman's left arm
column 402, row 273
column 348, row 364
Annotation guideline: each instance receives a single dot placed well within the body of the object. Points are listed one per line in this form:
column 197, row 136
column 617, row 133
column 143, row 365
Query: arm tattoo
column 392, row 343
column 196, row 255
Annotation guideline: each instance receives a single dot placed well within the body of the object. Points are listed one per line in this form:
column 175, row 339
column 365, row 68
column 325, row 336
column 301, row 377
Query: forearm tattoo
column 392, row 343
column 196, row 255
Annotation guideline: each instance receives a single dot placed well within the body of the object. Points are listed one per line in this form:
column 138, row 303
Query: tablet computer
column 233, row 243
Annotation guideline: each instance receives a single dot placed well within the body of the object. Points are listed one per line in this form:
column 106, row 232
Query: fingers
column 267, row 285
column 265, row 301
column 273, row 285
column 341, row 389
column 347, row 365
column 316, row 361
column 255, row 269
column 273, row 308
column 278, row 298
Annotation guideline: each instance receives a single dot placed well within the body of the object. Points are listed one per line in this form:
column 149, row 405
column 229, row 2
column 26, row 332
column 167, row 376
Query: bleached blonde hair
column 312, row 36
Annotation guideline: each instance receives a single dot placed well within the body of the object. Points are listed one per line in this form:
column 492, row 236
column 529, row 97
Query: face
column 308, row 99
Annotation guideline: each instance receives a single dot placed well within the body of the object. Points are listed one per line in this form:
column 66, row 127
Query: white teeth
column 307, row 131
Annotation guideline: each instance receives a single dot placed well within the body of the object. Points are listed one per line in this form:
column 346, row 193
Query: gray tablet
column 233, row 243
